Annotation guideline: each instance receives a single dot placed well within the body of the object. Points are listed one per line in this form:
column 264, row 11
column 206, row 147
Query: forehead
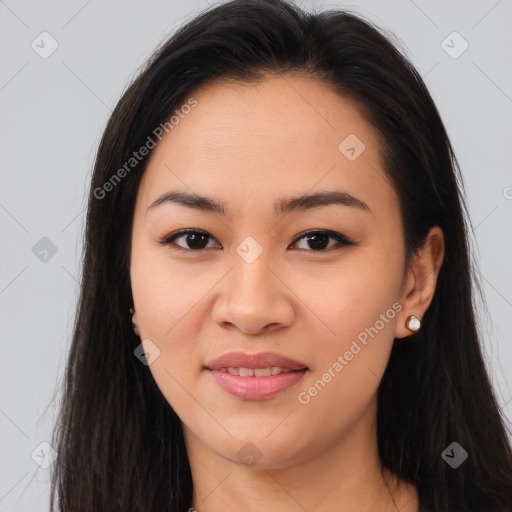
column 282, row 136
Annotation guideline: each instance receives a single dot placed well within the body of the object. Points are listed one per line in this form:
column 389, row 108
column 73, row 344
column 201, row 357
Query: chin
column 259, row 451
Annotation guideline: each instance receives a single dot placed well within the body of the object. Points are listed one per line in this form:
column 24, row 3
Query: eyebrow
column 299, row 203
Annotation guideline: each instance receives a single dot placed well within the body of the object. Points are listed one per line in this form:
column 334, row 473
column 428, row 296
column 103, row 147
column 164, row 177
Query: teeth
column 255, row 372
column 262, row 372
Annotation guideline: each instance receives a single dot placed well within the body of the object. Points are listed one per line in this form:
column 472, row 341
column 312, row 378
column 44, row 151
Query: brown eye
column 318, row 241
column 192, row 240
column 197, row 240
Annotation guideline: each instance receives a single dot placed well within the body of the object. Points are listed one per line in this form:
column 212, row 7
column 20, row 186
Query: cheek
column 164, row 300
column 164, row 294
column 171, row 301
column 351, row 296
column 358, row 311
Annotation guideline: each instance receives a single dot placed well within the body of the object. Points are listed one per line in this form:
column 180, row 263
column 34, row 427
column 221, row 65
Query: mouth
column 256, row 372
column 256, row 376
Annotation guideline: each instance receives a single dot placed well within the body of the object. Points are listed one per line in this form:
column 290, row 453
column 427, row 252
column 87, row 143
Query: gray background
column 53, row 111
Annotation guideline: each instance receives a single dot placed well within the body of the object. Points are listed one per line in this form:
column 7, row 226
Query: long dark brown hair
column 120, row 444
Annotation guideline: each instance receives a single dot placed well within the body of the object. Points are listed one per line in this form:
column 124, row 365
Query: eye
column 194, row 239
column 197, row 240
column 319, row 240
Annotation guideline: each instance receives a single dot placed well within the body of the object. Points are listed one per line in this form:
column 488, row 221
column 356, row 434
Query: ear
column 421, row 279
column 135, row 323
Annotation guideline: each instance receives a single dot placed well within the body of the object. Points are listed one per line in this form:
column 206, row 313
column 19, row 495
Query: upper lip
column 260, row 360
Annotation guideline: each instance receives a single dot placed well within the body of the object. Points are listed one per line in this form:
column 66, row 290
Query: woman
column 222, row 356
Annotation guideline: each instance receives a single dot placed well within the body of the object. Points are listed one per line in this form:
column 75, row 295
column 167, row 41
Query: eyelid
column 342, row 239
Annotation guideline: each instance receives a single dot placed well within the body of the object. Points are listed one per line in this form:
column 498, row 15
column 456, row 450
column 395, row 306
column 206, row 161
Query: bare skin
column 248, row 146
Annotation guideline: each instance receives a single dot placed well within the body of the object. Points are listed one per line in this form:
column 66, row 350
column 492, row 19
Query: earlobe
column 421, row 283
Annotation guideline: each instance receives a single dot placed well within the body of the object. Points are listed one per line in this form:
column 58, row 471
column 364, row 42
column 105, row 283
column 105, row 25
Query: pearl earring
column 413, row 323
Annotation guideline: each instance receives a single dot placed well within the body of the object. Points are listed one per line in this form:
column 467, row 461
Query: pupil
column 195, row 237
column 322, row 244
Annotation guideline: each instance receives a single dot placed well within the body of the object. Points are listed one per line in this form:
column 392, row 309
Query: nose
column 254, row 298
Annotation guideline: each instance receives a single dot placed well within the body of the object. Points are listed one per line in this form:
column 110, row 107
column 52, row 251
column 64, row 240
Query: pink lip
column 261, row 360
column 255, row 388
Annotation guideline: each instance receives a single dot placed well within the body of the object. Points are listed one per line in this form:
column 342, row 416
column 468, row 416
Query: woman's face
column 253, row 281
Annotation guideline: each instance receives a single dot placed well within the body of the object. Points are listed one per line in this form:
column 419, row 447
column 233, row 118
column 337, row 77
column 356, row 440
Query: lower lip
column 256, row 388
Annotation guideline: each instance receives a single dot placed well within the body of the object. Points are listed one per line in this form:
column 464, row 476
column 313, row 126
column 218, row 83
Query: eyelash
column 339, row 237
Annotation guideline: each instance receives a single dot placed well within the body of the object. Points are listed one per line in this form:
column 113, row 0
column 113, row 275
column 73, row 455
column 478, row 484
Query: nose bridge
column 252, row 299
column 252, row 277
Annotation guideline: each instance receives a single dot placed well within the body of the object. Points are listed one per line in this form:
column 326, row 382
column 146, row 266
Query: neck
column 348, row 476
